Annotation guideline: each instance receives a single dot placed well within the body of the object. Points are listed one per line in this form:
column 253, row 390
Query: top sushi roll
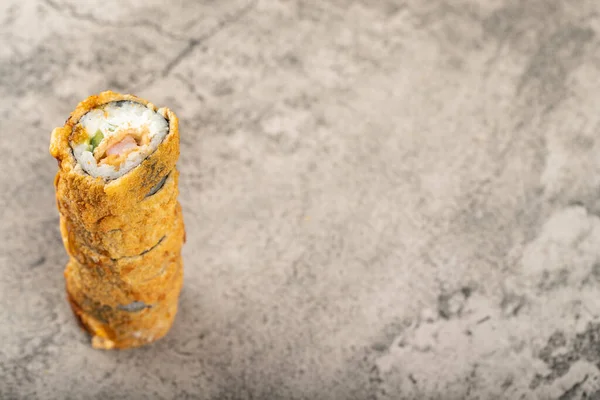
column 113, row 151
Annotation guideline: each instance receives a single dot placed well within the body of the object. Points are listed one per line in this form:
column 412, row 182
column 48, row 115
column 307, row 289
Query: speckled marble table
column 383, row 199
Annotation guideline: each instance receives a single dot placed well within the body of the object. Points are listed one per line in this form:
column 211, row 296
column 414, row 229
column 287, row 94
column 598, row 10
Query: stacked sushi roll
column 120, row 220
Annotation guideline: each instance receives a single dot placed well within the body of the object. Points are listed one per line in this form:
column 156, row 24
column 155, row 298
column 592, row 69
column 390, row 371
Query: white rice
column 111, row 119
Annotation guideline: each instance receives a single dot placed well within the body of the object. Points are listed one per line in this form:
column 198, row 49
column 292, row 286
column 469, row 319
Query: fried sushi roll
column 107, row 236
column 121, row 223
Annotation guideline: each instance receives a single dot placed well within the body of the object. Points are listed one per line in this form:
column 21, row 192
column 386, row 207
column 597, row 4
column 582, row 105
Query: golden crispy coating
column 123, row 236
column 124, row 328
column 134, row 269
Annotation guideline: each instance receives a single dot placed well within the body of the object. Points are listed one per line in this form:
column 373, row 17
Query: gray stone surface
column 383, row 199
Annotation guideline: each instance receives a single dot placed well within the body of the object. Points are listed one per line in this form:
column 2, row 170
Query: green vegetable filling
column 96, row 140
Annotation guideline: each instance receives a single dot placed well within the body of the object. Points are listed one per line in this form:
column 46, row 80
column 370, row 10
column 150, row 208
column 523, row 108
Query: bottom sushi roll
column 114, row 317
column 127, row 302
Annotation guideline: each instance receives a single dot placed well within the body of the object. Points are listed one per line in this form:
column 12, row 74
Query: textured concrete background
column 384, row 199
